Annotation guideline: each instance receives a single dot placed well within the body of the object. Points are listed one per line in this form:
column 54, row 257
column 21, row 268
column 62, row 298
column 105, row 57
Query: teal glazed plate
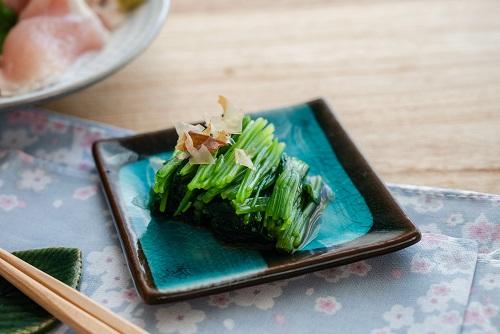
column 173, row 260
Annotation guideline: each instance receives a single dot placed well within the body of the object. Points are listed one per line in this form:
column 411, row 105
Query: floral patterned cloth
column 447, row 283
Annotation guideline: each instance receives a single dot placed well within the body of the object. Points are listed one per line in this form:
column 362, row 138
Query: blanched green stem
column 287, row 189
column 283, row 211
column 252, row 205
column 185, row 203
column 264, row 162
column 285, row 237
column 313, row 186
column 255, row 140
column 215, row 178
column 256, row 136
column 226, row 192
column 163, row 179
column 164, row 175
column 296, row 230
column 188, row 169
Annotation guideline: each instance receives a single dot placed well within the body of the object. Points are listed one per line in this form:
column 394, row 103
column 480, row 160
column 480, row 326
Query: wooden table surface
column 416, row 83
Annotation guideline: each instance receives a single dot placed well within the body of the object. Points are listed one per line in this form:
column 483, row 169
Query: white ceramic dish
column 126, row 43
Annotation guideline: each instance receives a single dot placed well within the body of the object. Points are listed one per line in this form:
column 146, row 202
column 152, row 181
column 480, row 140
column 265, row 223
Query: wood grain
column 416, row 83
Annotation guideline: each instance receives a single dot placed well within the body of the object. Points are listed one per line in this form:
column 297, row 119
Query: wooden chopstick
column 63, row 310
column 63, row 302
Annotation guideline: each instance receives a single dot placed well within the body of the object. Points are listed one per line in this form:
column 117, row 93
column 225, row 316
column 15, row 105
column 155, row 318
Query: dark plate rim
column 327, row 119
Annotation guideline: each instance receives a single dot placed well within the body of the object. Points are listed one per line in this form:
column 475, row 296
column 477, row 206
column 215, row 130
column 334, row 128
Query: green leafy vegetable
column 271, row 203
column 7, row 20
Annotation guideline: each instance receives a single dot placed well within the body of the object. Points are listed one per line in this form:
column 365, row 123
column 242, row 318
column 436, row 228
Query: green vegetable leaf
column 128, row 5
column 272, row 205
column 18, row 313
column 7, row 20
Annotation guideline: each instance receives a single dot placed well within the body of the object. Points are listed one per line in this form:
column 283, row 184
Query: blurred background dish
column 125, row 43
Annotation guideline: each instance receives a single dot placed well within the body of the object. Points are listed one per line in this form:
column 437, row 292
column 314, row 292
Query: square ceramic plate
column 173, row 260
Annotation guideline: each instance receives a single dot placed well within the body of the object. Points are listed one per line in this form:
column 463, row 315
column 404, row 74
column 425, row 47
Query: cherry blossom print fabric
column 49, row 136
column 447, row 283
column 449, row 215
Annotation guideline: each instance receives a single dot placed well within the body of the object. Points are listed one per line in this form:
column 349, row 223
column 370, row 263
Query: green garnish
column 270, row 202
column 7, row 20
column 128, row 5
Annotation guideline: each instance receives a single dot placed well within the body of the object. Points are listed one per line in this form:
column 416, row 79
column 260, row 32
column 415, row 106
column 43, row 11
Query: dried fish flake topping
column 242, row 158
column 231, row 120
column 198, row 142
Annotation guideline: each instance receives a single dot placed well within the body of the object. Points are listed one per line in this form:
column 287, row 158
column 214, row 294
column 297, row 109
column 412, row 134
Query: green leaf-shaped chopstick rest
column 18, row 313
